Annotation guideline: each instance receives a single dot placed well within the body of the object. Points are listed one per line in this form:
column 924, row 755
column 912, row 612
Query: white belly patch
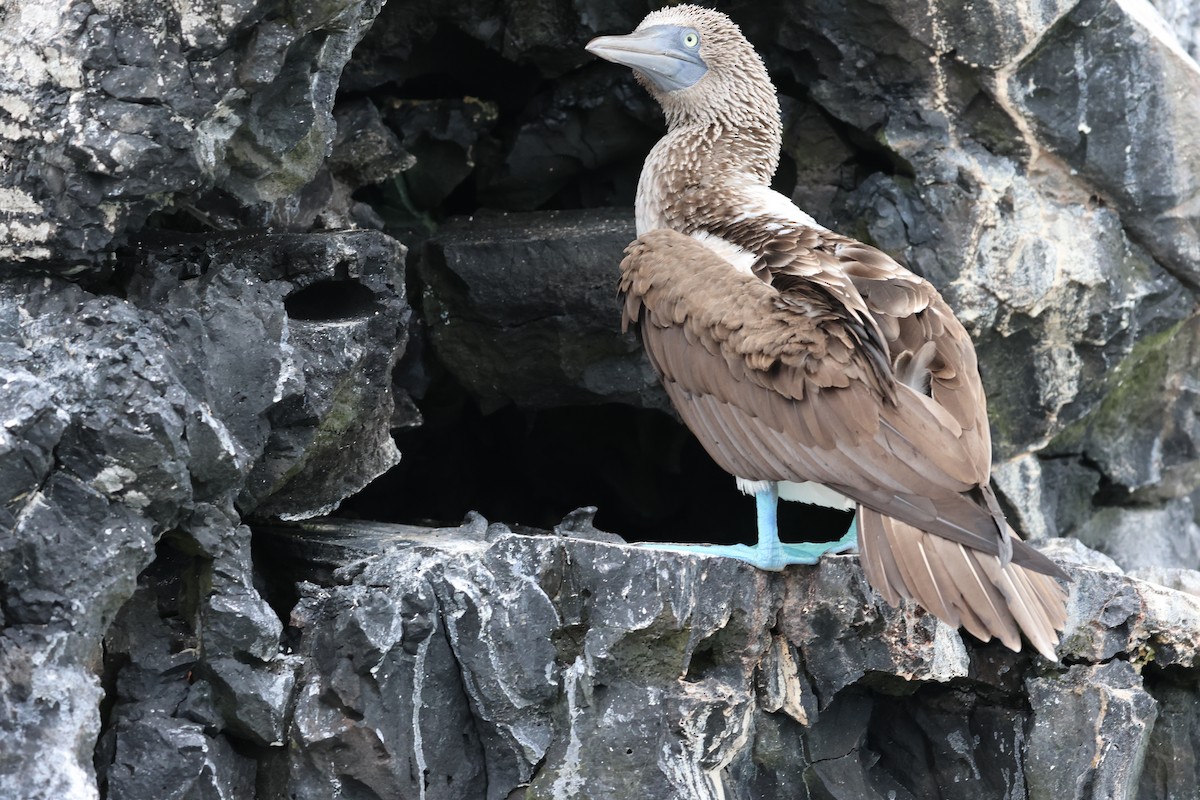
column 805, row 492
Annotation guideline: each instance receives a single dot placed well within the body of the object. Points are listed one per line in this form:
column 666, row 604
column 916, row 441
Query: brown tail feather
column 961, row 586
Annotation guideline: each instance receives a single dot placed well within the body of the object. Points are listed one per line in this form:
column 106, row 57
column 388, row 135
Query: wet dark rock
column 366, row 151
column 547, row 35
column 1171, row 769
column 162, row 734
column 160, row 756
column 522, row 309
column 584, row 126
column 443, row 136
column 576, row 140
column 1047, row 497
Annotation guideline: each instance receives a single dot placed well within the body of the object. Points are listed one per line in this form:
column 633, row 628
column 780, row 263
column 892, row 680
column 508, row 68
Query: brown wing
column 781, row 388
column 927, row 347
column 930, row 349
column 932, row 353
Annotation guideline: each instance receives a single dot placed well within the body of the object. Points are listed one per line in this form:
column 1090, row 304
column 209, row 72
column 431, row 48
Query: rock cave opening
column 647, row 476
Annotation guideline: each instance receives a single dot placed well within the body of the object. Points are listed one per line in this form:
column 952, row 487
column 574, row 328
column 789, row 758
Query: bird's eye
column 691, row 39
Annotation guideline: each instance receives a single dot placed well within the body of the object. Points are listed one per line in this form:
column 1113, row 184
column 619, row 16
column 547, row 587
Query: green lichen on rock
column 1136, row 393
column 1148, row 390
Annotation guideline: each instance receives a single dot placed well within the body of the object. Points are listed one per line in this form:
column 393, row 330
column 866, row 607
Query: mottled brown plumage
column 796, row 355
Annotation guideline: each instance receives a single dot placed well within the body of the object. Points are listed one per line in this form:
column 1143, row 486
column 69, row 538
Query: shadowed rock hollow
column 289, row 294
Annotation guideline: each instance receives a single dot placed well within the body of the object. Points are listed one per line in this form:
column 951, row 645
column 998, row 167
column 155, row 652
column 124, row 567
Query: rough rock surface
column 1046, row 266
column 112, row 110
column 1184, row 19
column 553, row 345
column 474, row 663
column 142, row 421
column 211, row 371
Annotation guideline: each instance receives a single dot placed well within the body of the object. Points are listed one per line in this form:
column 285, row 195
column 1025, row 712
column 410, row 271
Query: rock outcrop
column 135, row 431
column 570, row 665
column 556, row 345
column 213, row 220
column 113, row 111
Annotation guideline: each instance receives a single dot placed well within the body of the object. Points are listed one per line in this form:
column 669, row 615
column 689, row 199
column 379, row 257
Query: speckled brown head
column 723, row 121
column 698, row 65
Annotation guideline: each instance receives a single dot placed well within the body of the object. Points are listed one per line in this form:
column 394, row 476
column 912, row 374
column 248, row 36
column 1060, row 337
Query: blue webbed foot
column 742, row 552
column 771, row 560
column 811, row 552
column 770, row 553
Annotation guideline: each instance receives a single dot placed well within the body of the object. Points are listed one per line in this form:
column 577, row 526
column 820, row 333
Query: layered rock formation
column 214, row 221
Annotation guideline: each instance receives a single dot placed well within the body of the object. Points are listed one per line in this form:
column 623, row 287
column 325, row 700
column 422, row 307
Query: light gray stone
column 1146, row 537
column 1107, row 715
column 113, row 110
column 1184, row 19
column 1112, row 92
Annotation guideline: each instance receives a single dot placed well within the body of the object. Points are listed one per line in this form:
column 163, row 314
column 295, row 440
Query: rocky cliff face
column 264, row 263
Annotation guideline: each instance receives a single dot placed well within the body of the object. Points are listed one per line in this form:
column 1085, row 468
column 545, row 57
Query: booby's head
column 697, row 64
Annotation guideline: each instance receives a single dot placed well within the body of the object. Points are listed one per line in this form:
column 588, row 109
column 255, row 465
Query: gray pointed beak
column 657, row 52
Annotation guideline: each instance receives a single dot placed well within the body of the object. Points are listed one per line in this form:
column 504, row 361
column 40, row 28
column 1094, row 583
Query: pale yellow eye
column 691, row 39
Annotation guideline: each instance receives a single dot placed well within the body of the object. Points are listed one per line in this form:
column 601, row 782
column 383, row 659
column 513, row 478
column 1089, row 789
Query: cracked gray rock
column 1139, row 538
column 332, row 306
column 1035, row 160
column 590, row 669
column 1110, row 716
column 135, row 425
column 113, row 111
column 1122, row 120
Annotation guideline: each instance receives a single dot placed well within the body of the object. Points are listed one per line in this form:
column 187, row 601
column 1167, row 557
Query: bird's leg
column 766, row 505
column 769, row 553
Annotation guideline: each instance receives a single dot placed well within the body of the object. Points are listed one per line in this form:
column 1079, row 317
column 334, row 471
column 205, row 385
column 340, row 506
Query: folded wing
column 784, row 383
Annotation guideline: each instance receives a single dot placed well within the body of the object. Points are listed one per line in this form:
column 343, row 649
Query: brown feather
column 905, row 460
column 961, row 586
column 783, row 414
column 797, row 354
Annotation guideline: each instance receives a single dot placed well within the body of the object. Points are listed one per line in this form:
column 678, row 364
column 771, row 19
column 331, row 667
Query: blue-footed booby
column 811, row 366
